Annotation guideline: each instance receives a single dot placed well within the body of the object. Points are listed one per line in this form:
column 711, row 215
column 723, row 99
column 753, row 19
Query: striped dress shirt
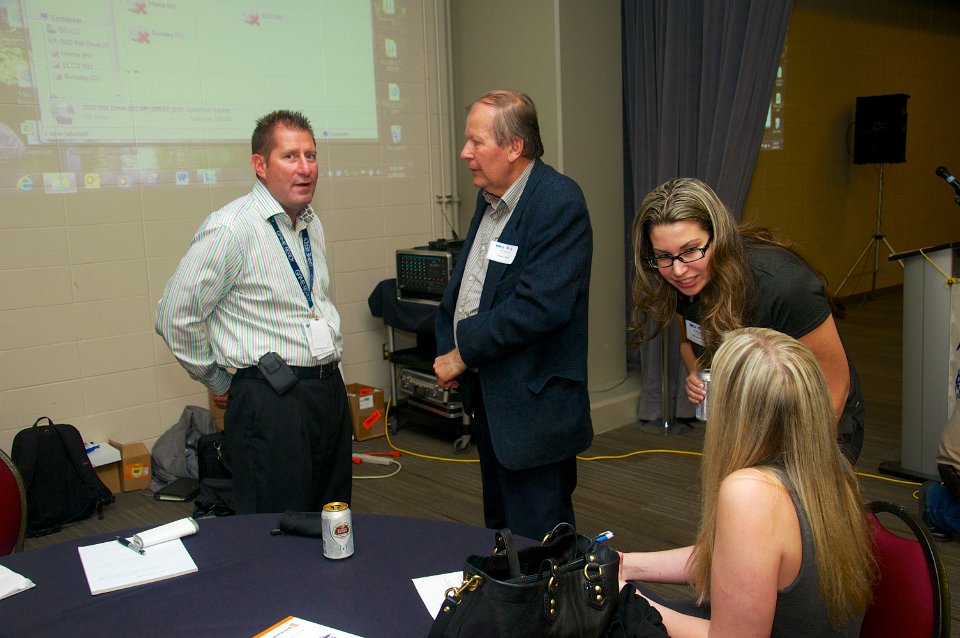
column 495, row 218
column 234, row 296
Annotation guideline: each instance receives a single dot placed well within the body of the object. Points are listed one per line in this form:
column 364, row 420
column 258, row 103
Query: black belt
column 321, row 371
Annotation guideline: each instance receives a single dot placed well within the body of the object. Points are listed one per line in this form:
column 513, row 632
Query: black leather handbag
column 566, row 586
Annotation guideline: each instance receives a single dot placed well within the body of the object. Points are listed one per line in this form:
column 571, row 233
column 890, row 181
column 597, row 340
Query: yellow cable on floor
column 890, row 480
column 602, row 457
column 386, row 432
column 606, row 457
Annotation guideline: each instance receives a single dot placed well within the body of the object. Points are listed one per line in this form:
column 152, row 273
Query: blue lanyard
column 293, row 260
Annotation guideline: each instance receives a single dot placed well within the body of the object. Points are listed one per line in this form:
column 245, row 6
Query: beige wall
column 837, row 51
column 592, row 119
column 520, row 54
column 79, row 280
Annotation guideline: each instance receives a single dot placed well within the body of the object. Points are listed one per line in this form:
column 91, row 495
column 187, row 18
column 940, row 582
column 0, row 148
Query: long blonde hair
column 770, row 409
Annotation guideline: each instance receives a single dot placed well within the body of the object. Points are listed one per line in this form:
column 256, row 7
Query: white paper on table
column 111, row 566
column 292, row 626
column 433, row 589
column 12, row 583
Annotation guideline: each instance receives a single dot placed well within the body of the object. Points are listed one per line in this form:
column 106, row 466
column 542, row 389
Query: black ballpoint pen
column 127, row 543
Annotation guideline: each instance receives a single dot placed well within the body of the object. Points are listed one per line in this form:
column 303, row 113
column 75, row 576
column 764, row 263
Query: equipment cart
column 417, row 398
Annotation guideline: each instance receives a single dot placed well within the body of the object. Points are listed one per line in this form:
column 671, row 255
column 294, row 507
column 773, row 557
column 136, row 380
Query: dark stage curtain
column 697, row 81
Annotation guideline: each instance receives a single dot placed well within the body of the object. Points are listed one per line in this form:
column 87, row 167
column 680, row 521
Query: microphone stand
column 944, row 173
column 667, row 425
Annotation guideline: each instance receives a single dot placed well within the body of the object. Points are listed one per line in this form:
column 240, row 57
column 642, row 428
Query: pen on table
column 130, row 545
column 605, row 536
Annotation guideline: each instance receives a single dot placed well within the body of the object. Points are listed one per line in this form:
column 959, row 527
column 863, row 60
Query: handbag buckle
column 586, row 572
column 471, row 584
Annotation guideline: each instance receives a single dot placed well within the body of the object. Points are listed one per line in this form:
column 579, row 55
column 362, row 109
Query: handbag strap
column 555, row 537
column 506, row 545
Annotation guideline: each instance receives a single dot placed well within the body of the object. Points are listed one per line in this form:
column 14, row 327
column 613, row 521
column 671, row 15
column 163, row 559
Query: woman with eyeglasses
column 695, row 265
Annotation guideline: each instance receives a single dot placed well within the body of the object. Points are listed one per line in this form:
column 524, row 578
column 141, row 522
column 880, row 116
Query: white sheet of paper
column 12, row 583
column 292, row 626
column 320, row 338
column 111, row 566
column 433, row 589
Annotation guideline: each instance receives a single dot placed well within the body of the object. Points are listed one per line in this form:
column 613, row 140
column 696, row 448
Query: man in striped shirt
column 255, row 280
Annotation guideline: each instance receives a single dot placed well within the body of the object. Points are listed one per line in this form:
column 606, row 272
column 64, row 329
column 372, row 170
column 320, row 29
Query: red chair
column 13, row 507
column 911, row 598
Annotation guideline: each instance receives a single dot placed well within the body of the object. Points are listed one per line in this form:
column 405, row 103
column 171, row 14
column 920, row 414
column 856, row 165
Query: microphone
column 950, row 179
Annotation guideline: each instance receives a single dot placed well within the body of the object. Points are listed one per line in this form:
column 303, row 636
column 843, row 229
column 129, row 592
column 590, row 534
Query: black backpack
column 59, row 479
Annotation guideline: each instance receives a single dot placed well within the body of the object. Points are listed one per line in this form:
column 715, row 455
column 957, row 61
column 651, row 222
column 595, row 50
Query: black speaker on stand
column 879, row 137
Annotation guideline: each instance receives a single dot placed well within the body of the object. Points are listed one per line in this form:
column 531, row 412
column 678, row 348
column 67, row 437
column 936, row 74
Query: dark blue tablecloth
column 248, row 580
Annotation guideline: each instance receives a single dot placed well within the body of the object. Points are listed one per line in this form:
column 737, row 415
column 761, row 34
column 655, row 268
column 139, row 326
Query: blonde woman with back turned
column 784, row 545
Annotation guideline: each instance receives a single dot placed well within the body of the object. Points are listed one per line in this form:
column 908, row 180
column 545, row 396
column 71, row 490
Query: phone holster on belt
column 277, row 373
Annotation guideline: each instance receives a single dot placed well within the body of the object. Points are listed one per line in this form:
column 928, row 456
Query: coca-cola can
column 337, row 530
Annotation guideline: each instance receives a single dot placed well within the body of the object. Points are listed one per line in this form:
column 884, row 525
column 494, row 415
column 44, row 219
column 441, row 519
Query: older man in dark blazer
column 512, row 325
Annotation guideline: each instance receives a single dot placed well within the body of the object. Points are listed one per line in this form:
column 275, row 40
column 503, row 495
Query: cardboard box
column 105, row 460
column 366, row 411
column 134, row 465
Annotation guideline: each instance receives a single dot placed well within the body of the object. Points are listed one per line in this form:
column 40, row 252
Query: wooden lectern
column 931, row 335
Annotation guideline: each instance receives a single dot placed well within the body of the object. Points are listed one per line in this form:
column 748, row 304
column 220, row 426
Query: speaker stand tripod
column 873, row 242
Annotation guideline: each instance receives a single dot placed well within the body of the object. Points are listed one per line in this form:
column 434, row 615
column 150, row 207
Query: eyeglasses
column 688, row 256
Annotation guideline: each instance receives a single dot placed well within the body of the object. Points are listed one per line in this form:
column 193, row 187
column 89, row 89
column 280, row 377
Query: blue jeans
column 942, row 511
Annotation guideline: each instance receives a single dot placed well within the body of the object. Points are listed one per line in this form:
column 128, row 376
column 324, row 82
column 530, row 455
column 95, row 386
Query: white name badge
column 694, row 333
column 502, row 253
column 320, row 338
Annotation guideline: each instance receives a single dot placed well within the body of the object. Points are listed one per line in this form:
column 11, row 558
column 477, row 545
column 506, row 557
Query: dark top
column 801, row 610
column 789, row 297
column 785, row 296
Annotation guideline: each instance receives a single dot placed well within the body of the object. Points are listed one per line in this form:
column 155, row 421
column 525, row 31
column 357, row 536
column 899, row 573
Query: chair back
column 911, row 598
column 13, row 507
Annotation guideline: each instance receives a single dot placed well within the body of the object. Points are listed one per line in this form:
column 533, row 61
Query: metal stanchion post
column 667, row 424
